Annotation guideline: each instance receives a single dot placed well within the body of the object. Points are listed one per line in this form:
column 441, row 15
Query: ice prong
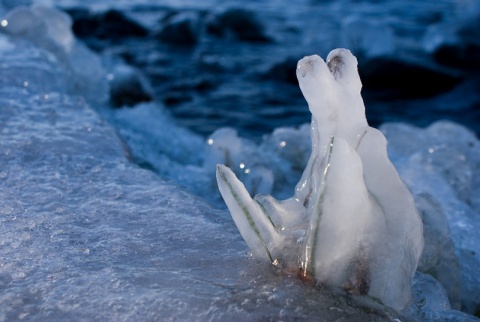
column 254, row 226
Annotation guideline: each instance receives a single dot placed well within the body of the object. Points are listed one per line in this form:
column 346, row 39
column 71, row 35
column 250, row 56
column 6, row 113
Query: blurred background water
column 232, row 63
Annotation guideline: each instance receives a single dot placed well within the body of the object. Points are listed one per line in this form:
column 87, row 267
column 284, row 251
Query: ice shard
column 351, row 223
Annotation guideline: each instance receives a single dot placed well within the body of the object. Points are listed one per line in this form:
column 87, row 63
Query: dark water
column 233, row 64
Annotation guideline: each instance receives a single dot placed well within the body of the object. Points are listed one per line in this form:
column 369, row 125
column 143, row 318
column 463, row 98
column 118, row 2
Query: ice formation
column 50, row 30
column 86, row 234
column 441, row 169
column 352, row 223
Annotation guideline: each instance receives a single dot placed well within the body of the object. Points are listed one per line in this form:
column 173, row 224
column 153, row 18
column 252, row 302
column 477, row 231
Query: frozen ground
column 86, row 234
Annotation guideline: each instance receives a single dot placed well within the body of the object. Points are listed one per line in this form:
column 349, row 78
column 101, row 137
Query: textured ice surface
column 432, row 302
column 87, row 235
column 50, row 30
column 351, row 223
column 442, row 170
column 157, row 143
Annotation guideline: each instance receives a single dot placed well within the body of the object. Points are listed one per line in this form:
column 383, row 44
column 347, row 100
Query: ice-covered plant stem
column 351, row 223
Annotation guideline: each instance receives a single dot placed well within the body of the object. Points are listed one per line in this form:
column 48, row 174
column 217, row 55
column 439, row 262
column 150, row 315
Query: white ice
column 50, row 30
column 352, row 223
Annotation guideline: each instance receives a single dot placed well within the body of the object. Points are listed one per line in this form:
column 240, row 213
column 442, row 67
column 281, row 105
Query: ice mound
column 432, row 302
column 87, row 235
column 50, row 30
column 224, row 146
column 351, row 223
column 442, row 170
column 157, row 143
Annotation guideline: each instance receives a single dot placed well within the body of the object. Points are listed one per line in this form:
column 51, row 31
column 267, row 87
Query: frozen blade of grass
column 255, row 227
column 265, row 212
column 308, row 266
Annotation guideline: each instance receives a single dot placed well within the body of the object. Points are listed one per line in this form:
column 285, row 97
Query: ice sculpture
column 351, row 223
